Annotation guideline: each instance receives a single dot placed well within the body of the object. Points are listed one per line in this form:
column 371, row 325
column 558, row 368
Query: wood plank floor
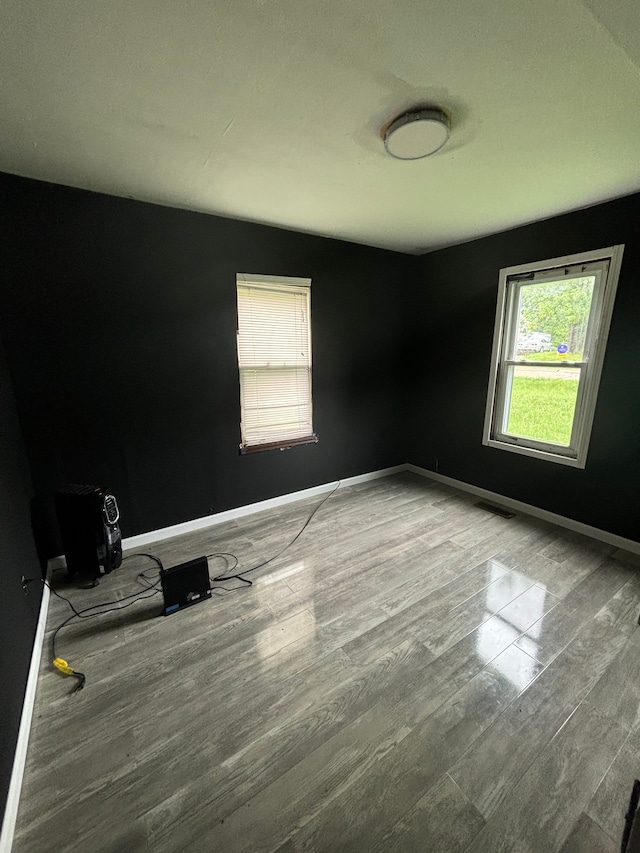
column 413, row 674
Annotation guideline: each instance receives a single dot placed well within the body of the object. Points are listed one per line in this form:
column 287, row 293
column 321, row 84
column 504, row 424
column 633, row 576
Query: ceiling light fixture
column 417, row 134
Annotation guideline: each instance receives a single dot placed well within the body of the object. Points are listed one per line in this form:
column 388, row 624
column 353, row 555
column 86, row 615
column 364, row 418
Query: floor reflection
column 498, row 593
column 505, row 624
column 294, row 611
column 286, row 572
column 525, row 612
column 516, row 666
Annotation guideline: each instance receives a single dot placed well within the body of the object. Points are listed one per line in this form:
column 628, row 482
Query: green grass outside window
column 543, row 409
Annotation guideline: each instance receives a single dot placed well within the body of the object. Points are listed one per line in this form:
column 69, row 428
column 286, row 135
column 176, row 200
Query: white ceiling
column 270, row 110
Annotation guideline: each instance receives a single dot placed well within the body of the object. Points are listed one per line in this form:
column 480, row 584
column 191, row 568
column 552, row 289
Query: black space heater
column 88, row 517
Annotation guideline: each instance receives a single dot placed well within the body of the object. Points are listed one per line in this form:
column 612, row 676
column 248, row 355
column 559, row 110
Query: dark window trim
column 277, row 445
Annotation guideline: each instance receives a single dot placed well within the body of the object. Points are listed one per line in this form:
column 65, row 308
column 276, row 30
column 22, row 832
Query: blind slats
column 274, row 357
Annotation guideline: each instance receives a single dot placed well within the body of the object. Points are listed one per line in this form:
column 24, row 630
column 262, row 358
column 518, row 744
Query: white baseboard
column 248, row 509
column 161, row 533
column 228, row 515
column 529, row 509
column 15, row 785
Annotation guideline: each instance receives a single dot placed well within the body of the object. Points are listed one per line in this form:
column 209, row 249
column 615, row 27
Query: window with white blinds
column 274, row 358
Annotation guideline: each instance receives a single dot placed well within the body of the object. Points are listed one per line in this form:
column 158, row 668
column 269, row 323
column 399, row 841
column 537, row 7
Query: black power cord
column 239, row 575
column 154, row 589
column 86, row 613
column 142, row 575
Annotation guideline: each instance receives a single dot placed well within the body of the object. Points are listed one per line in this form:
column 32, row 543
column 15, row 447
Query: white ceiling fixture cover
column 417, row 134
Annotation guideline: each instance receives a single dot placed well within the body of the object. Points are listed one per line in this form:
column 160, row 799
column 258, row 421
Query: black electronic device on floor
column 185, row 584
column 88, row 517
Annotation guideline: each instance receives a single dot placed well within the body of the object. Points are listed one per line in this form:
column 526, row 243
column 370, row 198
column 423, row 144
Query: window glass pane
column 541, row 402
column 552, row 320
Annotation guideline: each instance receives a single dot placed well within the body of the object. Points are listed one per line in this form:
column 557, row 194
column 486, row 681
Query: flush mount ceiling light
column 417, row 134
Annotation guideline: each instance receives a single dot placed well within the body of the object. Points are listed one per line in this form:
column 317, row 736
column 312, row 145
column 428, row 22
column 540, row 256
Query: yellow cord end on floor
column 63, row 666
column 65, row 669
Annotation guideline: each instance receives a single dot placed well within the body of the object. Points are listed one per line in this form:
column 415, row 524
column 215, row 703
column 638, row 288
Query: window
column 274, row 357
column 549, row 343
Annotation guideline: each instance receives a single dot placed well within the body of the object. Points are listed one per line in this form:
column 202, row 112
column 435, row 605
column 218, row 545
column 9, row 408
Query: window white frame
column 274, row 361
column 605, row 265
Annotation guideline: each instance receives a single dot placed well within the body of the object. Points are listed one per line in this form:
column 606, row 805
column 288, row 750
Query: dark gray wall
column 18, row 611
column 120, row 335
column 452, row 331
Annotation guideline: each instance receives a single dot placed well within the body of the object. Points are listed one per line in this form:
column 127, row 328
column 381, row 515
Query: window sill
column 547, row 456
column 246, row 449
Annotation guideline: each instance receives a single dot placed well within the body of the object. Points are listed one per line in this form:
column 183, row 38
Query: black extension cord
column 239, row 575
column 154, row 588
column 86, row 613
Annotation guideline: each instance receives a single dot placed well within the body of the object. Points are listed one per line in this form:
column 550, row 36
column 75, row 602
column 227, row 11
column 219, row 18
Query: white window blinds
column 274, row 357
